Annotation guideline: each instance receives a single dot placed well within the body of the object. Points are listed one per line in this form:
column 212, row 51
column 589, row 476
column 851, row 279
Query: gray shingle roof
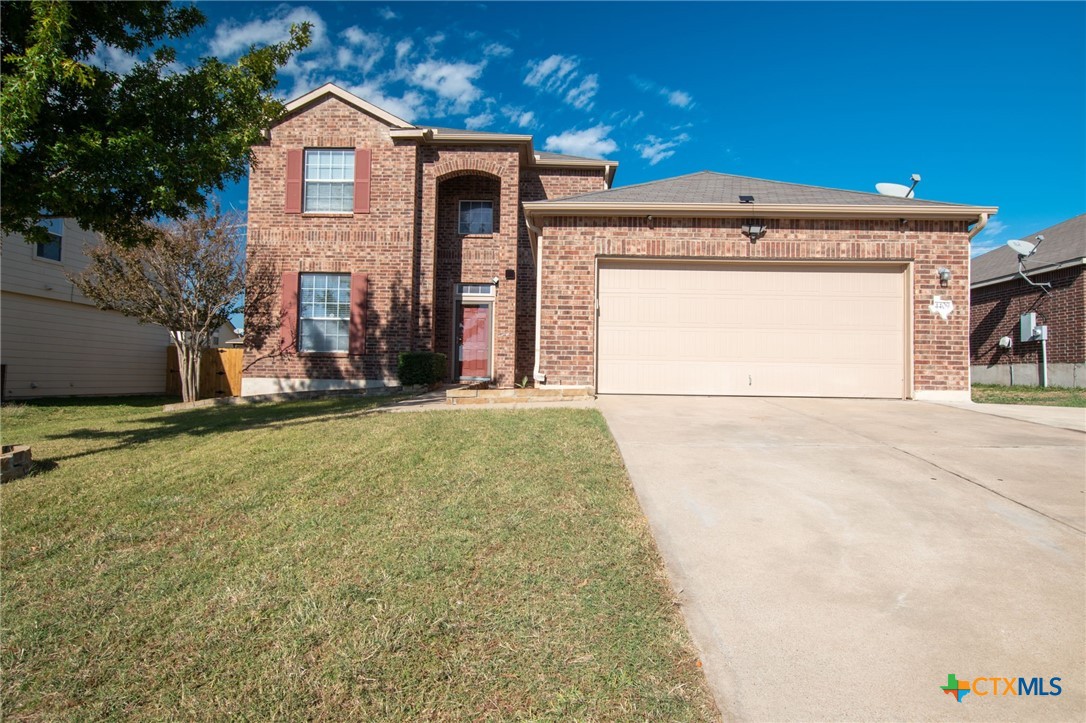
column 708, row 187
column 567, row 157
column 469, row 132
column 1064, row 242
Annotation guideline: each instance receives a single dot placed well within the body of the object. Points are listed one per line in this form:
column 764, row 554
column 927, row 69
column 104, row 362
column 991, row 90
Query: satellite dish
column 893, row 189
column 1022, row 248
column 896, row 189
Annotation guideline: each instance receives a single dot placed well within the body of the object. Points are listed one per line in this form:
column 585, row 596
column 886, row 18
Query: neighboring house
column 516, row 263
column 1000, row 296
column 54, row 341
column 225, row 335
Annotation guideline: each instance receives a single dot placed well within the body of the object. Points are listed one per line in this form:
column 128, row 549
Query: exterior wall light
column 753, row 232
column 944, row 276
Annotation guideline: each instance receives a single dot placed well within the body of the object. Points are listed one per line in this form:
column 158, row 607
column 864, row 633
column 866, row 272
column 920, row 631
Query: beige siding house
column 54, row 342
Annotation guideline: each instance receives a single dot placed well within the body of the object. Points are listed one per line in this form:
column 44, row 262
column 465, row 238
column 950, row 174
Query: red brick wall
column 440, row 167
column 470, row 259
column 538, row 184
column 379, row 243
column 996, row 310
column 571, row 245
column 406, row 244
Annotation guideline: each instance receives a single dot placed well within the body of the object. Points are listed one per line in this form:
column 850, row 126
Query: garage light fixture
column 753, row 232
column 944, row 276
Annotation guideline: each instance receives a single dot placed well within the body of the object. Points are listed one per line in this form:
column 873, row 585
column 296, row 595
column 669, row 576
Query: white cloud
column 678, row 98
column 409, row 106
column 372, row 48
column 553, row 74
column 519, row 117
column 112, row 59
column 479, row 121
column 994, row 228
column 435, row 39
column 232, row 38
column 558, row 74
column 497, row 50
column 582, row 95
column 403, row 49
column 656, row 149
column 386, row 13
column 588, row 142
column 977, row 247
column 452, row 82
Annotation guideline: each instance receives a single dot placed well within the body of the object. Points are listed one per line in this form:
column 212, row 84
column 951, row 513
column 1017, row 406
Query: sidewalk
column 435, row 402
column 1073, row 418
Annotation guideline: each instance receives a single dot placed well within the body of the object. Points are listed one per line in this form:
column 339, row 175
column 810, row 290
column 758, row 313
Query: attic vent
column 746, row 199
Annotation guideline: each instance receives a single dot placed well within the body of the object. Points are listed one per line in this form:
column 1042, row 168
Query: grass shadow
column 216, row 420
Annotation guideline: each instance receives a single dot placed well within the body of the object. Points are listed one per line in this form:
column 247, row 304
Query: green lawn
column 313, row 560
column 1049, row 397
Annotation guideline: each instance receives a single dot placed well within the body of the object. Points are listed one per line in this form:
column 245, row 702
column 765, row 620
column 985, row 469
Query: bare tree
column 189, row 279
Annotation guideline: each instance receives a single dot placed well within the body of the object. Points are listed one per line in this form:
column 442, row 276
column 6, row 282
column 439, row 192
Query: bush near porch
column 313, row 560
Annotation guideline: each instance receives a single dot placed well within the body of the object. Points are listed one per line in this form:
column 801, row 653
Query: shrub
column 421, row 367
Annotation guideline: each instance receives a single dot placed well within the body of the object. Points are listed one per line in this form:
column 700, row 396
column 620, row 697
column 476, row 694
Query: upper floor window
column 329, row 180
column 324, row 313
column 51, row 250
column 476, row 217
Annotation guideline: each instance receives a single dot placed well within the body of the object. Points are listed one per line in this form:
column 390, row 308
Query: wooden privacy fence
column 220, row 373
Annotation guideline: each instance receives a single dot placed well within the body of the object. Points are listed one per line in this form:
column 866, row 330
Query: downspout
column 982, row 221
column 534, row 232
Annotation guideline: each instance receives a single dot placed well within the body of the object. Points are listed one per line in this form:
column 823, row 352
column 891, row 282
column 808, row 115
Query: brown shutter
column 288, row 312
column 359, row 288
column 294, row 180
column 362, row 161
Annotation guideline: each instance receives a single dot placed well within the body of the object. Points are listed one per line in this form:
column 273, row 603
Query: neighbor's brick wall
column 571, row 245
column 996, row 310
column 379, row 243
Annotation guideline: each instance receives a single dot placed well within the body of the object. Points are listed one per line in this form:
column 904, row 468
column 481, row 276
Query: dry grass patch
column 315, row 560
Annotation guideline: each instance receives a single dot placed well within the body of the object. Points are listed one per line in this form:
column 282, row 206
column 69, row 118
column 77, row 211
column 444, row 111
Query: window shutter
column 362, row 170
column 359, row 289
column 294, row 180
column 288, row 312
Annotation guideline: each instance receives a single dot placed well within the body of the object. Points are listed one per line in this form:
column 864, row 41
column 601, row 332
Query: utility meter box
column 1028, row 326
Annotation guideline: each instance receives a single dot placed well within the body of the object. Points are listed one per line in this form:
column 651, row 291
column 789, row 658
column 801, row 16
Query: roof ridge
column 824, row 188
column 634, row 185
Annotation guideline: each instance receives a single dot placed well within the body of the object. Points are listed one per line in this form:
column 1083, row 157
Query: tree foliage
column 113, row 150
column 189, row 278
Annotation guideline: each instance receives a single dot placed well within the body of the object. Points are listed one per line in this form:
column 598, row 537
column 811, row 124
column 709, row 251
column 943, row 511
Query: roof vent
column 746, row 199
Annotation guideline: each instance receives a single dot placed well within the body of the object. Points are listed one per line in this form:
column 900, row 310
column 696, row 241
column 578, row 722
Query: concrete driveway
column 837, row 559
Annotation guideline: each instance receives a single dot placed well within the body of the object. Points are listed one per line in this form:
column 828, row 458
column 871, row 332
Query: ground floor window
column 324, row 312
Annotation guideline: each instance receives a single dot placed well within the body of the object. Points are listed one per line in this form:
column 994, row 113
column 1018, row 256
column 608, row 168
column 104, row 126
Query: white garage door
column 752, row 329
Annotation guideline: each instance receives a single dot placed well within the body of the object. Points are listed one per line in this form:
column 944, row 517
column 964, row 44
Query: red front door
column 473, row 344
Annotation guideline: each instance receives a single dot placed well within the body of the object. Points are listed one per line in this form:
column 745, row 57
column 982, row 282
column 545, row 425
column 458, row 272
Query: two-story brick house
column 388, row 236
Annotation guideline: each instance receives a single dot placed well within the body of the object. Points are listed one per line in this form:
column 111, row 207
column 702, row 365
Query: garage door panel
column 774, row 330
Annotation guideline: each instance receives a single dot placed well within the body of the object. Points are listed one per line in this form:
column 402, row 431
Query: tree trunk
column 188, row 362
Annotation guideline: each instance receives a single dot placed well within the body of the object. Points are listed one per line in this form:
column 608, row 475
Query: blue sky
column 986, row 100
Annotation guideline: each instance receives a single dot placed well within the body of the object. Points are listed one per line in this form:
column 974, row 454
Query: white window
column 324, row 313
column 51, row 250
column 476, row 217
column 475, row 289
column 329, row 180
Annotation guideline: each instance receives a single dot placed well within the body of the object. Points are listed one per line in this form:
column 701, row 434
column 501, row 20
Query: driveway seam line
column 985, row 487
column 936, row 466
